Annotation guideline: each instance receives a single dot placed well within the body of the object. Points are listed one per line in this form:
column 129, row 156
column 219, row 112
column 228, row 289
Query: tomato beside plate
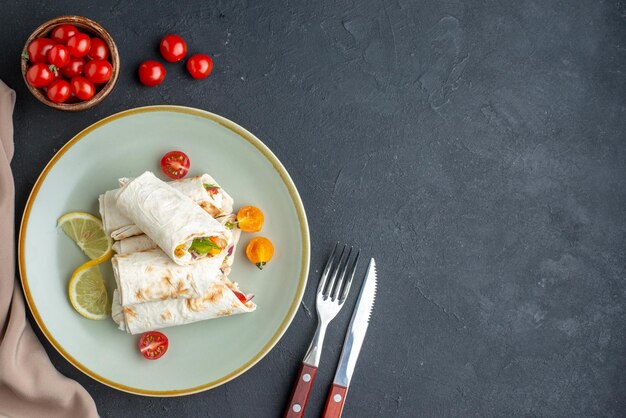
column 175, row 164
column 199, row 66
column 153, row 344
column 173, row 48
column 151, row 73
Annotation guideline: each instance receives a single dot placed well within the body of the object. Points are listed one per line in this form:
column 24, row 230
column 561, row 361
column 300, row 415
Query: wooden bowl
column 92, row 29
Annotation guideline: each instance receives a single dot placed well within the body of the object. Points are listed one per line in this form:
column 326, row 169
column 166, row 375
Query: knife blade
column 353, row 343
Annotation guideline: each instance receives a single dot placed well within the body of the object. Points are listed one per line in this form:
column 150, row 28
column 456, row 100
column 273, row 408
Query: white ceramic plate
column 201, row 355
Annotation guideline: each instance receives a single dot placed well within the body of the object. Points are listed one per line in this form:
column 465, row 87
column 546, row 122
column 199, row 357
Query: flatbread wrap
column 203, row 189
column 151, row 275
column 185, row 232
column 143, row 242
column 221, row 298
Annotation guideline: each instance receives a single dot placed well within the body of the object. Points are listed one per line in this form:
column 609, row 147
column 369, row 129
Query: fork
column 331, row 294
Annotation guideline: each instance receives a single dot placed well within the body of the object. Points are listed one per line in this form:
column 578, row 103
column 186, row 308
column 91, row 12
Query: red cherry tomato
column 151, row 73
column 63, row 33
column 175, row 164
column 56, row 72
column 59, row 56
column 99, row 49
column 173, row 48
column 74, row 68
column 82, row 88
column 79, row 45
column 39, row 75
column 153, row 344
column 59, row 91
column 199, row 66
column 38, row 50
column 98, row 71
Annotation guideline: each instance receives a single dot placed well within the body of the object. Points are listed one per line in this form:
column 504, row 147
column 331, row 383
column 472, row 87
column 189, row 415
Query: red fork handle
column 301, row 390
column 334, row 402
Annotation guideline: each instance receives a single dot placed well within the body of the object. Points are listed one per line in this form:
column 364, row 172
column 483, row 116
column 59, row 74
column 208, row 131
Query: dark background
column 475, row 148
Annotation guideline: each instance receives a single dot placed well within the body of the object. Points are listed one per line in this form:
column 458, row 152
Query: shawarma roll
column 221, row 298
column 151, row 275
column 185, row 232
column 143, row 242
column 203, row 189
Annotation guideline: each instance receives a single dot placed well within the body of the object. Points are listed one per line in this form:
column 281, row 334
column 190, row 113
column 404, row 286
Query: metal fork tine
column 320, row 287
column 346, row 289
column 333, row 276
column 327, row 308
column 338, row 286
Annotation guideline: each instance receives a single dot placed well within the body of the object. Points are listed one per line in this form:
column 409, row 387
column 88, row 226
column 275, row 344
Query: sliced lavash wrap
column 185, row 232
column 218, row 300
column 143, row 242
column 203, row 190
column 151, row 275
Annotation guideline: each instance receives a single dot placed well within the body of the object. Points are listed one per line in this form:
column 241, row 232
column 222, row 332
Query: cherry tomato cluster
column 173, row 49
column 69, row 65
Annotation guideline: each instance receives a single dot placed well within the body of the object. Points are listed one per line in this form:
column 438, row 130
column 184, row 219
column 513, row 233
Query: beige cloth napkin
column 30, row 386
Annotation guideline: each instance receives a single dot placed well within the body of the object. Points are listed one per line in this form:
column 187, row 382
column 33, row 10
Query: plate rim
column 293, row 193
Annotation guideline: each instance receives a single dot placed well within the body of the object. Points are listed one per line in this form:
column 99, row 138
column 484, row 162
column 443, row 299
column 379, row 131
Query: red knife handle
column 334, row 402
column 301, row 390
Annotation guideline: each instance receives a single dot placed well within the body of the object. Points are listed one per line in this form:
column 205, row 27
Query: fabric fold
column 30, row 386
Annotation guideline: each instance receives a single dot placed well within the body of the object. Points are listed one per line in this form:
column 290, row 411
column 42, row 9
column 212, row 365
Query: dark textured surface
column 475, row 148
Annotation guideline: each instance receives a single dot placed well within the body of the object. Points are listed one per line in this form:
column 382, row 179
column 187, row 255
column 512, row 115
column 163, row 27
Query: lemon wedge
column 87, row 232
column 87, row 292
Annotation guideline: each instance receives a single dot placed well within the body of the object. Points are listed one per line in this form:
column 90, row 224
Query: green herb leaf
column 25, row 55
column 203, row 246
column 230, row 225
column 210, row 186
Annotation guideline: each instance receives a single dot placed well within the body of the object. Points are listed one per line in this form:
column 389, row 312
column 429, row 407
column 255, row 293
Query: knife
column 352, row 344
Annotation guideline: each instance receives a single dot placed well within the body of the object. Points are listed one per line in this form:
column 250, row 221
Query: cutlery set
column 332, row 292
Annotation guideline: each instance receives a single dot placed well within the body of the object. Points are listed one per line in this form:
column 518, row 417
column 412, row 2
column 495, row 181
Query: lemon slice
column 87, row 292
column 87, row 232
